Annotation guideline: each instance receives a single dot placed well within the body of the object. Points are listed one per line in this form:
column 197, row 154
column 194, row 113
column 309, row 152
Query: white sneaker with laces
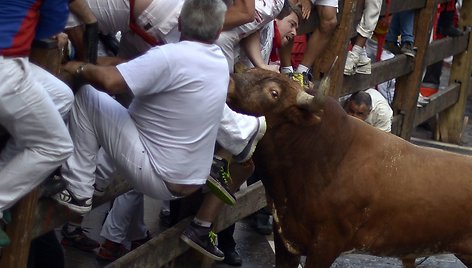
column 351, row 63
column 364, row 66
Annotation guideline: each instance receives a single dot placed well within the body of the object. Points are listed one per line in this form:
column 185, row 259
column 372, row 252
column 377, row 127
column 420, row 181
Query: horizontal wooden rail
column 165, row 247
column 438, row 103
column 49, row 214
column 381, row 71
column 443, row 48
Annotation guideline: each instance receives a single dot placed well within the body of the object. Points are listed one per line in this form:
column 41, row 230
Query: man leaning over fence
column 40, row 141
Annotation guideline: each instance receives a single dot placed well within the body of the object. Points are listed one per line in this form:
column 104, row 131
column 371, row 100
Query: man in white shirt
column 371, row 107
column 164, row 142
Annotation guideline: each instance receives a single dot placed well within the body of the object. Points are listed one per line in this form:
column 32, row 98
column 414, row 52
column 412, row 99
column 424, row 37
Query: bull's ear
column 304, row 117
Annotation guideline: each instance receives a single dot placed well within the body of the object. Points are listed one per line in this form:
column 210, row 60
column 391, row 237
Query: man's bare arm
column 241, row 12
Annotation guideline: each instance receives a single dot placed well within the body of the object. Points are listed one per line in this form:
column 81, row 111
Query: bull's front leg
column 283, row 258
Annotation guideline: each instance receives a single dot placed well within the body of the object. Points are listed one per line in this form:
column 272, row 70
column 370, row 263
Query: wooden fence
column 33, row 218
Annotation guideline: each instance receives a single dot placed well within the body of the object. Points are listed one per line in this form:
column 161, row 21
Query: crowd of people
column 151, row 101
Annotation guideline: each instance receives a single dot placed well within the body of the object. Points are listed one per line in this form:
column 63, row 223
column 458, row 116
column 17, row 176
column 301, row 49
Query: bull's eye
column 274, row 94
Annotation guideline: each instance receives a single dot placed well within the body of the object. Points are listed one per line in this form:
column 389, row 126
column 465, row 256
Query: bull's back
column 407, row 195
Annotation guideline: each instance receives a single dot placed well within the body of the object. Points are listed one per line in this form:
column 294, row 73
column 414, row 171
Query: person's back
column 176, row 106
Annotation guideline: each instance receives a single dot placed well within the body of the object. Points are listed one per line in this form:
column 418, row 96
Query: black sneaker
column 203, row 240
column 303, row 79
column 52, row 185
column 232, row 257
column 78, row 239
column 67, row 199
column 408, row 49
column 450, row 31
column 392, row 47
column 219, row 179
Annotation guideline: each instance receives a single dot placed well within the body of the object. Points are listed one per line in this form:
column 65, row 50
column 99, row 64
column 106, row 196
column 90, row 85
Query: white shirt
column 381, row 113
column 266, row 11
column 179, row 94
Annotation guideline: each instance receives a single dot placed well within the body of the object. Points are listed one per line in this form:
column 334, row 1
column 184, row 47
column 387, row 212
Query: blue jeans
column 401, row 24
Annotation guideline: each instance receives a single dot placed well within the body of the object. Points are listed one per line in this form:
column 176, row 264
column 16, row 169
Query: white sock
column 201, row 223
column 302, row 69
column 286, row 70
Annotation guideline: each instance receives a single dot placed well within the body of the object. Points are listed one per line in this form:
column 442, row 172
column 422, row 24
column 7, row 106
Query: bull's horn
column 304, row 99
column 318, row 100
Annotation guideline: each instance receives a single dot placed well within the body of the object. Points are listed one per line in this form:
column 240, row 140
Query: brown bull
column 339, row 185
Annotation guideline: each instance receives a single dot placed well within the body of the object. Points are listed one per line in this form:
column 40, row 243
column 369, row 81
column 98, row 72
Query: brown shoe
column 111, row 251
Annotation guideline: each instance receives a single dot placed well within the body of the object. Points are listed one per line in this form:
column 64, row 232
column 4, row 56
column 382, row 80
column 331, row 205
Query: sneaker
column 203, row 240
column 219, row 179
column 110, row 251
column 4, row 239
column 98, row 191
column 422, row 101
column 263, row 223
column 364, row 66
column 450, row 31
column 7, row 218
column 408, row 49
column 232, row 257
column 246, row 154
column 52, row 185
column 392, row 47
column 67, row 199
column 303, row 79
column 139, row 242
column 78, row 239
column 165, row 218
column 351, row 63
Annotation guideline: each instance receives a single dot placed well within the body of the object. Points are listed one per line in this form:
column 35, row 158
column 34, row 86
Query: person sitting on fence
column 357, row 60
column 318, row 41
column 40, row 141
column 370, row 106
column 149, row 142
column 234, row 15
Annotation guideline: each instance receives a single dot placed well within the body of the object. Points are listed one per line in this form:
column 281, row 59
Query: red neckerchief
column 135, row 27
column 276, row 43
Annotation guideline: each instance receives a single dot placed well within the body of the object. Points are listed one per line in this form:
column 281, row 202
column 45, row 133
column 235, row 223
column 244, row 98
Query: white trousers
column 40, row 141
column 125, row 221
column 235, row 130
column 97, row 120
column 369, row 19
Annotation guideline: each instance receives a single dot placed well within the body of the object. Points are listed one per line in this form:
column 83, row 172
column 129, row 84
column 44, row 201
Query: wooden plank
column 438, row 103
column 46, row 54
column 443, row 48
column 466, row 15
column 451, row 121
column 407, row 87
column 167, row 246
column 49, row 214
column 443, row 146
column 381, row 71
column 19, row 231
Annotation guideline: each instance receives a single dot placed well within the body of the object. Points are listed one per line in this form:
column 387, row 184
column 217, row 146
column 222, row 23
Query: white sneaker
column 422, row 101
column 351, row 63
column 364, row 66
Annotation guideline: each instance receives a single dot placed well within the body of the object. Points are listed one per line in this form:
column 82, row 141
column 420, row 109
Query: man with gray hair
column 163, row 143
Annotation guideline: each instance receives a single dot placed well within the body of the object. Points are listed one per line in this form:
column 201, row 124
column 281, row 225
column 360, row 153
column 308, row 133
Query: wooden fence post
column 407, row 87
column 451, row 121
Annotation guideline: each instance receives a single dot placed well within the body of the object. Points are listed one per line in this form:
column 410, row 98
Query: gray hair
column 202, row 20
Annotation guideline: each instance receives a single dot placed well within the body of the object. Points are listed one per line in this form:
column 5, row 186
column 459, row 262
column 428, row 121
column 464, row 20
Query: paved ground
column 256, row 249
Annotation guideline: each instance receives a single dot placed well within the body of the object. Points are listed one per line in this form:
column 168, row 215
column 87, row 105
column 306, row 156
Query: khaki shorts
column 308, row 25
